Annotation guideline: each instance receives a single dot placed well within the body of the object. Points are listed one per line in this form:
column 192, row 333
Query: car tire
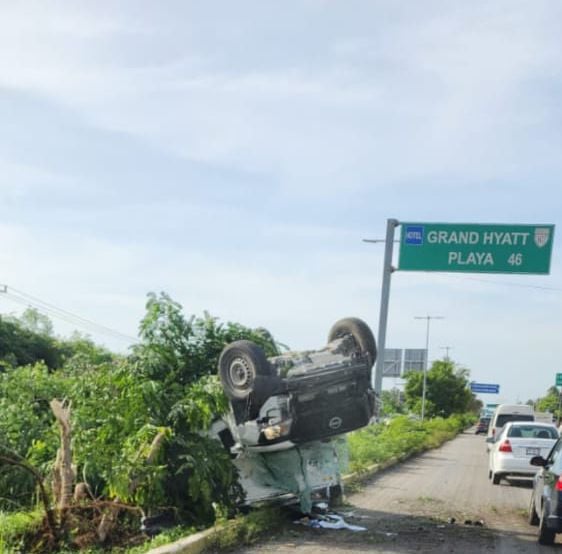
column 361, row 333
column 533, row 518
column 546, row 535
column 245, row 372
column 489, row 474
column 496, row 478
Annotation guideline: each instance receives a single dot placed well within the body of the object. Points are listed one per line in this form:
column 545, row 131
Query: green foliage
column 21, row 346
column 391, row 402
column 26, row 427
column 140, row 463
column 80, row 353
column 15, row 526
column 177, row 350
column 110, row 406
column 550, row 402
column 200, row 476
column 248, row 529
column 200, row 404
column 138, row 422
column 36, row 322
column 447, row 390
column 400, row 437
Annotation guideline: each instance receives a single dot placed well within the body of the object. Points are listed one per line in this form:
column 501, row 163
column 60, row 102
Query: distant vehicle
column 288, row 412
column 482, row 425
column 505, row 413
column 516, row 444
column 544, row 417
column 545, row 508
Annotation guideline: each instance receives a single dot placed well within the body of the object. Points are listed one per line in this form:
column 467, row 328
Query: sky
column 236, row 154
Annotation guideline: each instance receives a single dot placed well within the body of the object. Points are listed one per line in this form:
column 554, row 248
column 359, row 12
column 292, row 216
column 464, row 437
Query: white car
column 515, row 445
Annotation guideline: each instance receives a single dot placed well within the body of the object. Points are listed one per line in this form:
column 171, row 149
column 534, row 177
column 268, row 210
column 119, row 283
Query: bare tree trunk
column 64, row 462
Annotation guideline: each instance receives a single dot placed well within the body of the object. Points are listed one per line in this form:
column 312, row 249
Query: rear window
column 533, row 432
column 504, row 418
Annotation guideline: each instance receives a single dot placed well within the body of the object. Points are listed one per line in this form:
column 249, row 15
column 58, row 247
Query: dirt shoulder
column 441, row 501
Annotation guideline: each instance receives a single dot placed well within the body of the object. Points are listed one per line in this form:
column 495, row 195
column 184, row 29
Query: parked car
column 545, row 508
column 517, row 443
column 299, row 397
column 505, row 413
column 482, row 425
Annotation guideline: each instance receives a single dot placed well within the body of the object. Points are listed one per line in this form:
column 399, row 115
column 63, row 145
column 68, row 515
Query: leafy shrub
column 399, row 437
column 138, row 422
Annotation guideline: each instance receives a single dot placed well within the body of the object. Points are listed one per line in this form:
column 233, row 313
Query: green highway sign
column 476, row 248
column 559, row 379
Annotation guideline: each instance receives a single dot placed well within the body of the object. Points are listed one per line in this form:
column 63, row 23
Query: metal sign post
column 391, row 224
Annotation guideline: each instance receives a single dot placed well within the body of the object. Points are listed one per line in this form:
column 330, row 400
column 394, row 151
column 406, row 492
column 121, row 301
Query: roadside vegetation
column 401, row 437
column 550, row 402
column 91, row 441
column 94, row 441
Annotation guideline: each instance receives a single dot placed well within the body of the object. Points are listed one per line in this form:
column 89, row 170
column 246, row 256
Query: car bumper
column 515, row 466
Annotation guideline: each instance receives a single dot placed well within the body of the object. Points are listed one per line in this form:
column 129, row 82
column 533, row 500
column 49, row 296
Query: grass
column 248, row 529
column 14, row 525
column 399, row 438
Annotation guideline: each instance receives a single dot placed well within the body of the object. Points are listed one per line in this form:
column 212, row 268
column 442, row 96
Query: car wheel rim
column 241, row 375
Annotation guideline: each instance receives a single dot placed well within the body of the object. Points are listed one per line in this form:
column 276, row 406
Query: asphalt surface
column 441, row 502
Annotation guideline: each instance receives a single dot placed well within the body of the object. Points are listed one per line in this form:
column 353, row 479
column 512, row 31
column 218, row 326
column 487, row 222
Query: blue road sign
column 484, row 388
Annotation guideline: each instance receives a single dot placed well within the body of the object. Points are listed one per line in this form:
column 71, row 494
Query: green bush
column 14, row 526
column 400, row 436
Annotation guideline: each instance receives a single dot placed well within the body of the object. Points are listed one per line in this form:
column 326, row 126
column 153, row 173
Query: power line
column 46, row 308
column 70, row 314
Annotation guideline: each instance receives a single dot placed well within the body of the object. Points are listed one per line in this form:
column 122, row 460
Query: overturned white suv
column 299, row 397
column 288, row 413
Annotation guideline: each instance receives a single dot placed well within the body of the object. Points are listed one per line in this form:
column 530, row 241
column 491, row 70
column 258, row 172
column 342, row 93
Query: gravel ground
column 409, row 508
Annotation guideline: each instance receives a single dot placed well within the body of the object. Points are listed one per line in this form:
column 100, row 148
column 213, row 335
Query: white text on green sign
column 476, row 248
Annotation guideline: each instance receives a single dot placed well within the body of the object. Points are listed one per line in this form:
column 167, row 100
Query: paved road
column 407, row 508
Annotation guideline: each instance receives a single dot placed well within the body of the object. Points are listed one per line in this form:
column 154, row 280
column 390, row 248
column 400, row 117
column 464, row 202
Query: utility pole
column 428, row 319
column 446, row 348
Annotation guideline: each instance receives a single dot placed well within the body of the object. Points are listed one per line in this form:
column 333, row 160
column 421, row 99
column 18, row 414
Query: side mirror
column 490, row 440
column 538, row 461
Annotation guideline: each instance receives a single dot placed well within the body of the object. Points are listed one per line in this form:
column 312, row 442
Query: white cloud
column 346, row 116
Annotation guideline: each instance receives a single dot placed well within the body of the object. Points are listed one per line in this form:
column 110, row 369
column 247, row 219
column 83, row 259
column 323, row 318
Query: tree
column 21, row 346
column 447, row 390
column 550, row 402
column 36, row 322
column 138, row 422
column 392, row 403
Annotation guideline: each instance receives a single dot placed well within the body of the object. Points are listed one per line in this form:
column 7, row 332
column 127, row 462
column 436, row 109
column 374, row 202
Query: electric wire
column 70, row 314
column 46, row 308
column 91, row 327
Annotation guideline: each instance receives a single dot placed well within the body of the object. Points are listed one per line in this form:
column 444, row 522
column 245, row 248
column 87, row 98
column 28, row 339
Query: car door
column 547, row 477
